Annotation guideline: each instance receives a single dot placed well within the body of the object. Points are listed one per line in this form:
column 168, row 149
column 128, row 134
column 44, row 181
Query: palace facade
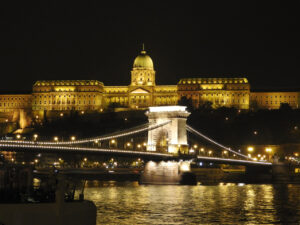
column 55, row 97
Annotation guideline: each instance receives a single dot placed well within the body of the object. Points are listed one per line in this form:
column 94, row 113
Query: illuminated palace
column 55, row 97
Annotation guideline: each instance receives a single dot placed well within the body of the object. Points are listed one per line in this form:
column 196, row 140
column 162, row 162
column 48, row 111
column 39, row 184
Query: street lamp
column 55, row 138
column 269, row 151
column 35, row 136
column 18, row 136
column 210, row 152
column 73, row 138
column 250, row 149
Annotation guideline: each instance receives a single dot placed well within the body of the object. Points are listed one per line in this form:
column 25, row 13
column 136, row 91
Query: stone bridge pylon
column 171, row 137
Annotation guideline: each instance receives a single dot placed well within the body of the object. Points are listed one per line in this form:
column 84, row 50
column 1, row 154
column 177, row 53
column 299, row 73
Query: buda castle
column 55, row 97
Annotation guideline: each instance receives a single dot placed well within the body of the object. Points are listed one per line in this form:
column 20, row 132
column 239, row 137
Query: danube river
column 130, row 203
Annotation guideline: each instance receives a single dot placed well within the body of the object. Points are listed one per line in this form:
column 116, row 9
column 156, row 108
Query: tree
column 285, row 107
column 186, row 102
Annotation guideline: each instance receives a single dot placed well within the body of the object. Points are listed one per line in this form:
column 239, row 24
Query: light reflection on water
column 129, row 203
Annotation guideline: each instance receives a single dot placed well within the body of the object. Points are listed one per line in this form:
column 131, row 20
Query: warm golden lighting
column 202, row 149
column 61, row 114
column 73, row 138
column 18, row 136
column 195, row 146
column 128, row 144
column 296, row 154
column 113, row 141
column 55, row 138
column 85, row 159
column 269, row 150
column 250, row 149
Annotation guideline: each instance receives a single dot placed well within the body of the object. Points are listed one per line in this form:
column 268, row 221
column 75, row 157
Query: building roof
column 143, row 61
column 67, row 83
column 213, row 81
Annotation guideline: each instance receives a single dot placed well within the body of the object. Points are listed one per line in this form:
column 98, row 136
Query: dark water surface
column 129, row 203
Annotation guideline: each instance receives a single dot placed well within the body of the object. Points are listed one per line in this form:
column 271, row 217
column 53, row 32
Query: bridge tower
column 172, row 136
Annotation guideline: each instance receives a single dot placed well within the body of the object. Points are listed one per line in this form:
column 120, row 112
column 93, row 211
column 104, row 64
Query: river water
column 130, row 203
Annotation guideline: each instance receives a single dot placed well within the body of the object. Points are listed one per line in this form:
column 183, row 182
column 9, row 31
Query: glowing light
column 113, row 141
column 269, row 150
column 250, row 149
column 73, row 138
column 167, row 108
column 18, row 136
column 185, row 166
column 233, row 160
column 55, row 138
column 195, row 146
column 61, row 114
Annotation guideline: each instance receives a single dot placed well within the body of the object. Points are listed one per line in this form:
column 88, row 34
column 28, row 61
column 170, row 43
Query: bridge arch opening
column 172, row 136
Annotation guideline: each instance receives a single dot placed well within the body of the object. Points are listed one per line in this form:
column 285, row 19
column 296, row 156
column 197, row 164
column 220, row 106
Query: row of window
column 277, row 96
column 12, row 104
column 13, row 98
column 64, row 102
column 62, row 90
column 275, row 103
column 59, row 96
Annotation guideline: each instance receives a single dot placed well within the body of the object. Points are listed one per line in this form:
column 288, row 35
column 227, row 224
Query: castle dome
column 143, row 61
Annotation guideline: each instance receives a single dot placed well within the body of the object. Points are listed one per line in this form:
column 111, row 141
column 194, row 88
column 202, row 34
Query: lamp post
column 35, row 136
column 269, row 151
column 113, row 143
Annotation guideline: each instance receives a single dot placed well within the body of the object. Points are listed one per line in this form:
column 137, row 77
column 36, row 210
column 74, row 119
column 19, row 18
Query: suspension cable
column 192, row 130
column 123, row 133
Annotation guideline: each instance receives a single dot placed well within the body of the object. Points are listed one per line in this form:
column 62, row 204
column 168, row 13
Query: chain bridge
column 165, row 138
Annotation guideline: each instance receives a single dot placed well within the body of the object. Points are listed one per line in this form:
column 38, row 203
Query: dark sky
column 90, row 40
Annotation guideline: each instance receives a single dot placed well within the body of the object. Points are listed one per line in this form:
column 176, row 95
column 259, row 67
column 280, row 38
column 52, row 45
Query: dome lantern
column 143, row 61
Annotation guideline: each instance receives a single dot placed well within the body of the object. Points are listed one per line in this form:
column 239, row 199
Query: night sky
column 90, row 40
